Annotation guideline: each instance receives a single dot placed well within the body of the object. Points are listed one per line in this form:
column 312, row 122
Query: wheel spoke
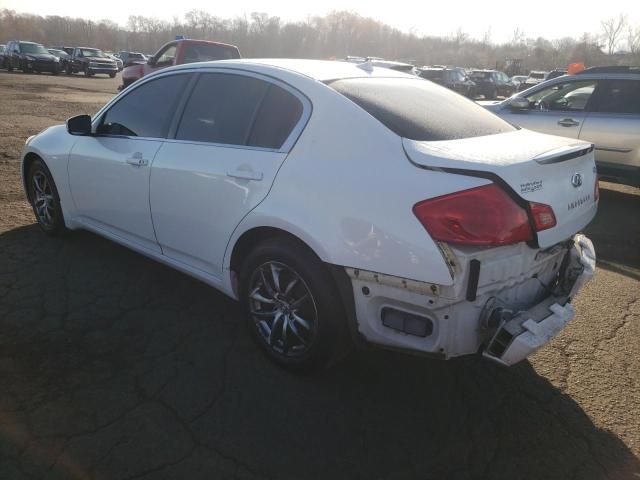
column 256, row 295
column 258, row 313
column 275, row 274
column 290, row 286
column 297, row 303
column 36, row 184
column 266, row 284
column 276, row 322
column 294, row 330
column 285, row 324
column 301, row 321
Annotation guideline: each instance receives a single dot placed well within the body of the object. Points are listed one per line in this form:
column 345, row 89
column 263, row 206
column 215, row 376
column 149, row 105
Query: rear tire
column 292, row 306
column 492, row 94
column 44, row 199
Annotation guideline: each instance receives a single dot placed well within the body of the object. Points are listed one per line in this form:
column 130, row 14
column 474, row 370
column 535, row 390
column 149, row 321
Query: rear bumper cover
column 529, row 330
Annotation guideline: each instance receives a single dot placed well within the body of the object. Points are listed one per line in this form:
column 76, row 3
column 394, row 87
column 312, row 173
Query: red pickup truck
column 177, row 53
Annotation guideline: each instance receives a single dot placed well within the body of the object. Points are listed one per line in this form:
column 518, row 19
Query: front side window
column 420, row 110
column 167, row 57
column 618, row 96
column 563, row 97
column 147, row 110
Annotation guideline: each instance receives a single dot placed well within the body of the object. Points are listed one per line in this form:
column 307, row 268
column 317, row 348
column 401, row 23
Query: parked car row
column 600, row 105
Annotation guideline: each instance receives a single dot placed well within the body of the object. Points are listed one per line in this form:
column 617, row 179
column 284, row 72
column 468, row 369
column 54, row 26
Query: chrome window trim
column 289, row 143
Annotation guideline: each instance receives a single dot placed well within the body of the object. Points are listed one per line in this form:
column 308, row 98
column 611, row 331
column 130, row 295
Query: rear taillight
column 480, row 216
column 485, row 216
column 543, row 216
column 596, row 190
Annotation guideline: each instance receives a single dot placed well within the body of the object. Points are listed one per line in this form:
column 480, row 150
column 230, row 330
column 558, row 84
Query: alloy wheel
column 283, row 309
column 43, row 199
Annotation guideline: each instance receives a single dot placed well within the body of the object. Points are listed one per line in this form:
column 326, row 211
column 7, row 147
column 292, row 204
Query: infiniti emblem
column 576, row 180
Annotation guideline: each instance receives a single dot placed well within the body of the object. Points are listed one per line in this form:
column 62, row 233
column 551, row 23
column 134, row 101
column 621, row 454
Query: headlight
column 29, row 57
column 56, row 59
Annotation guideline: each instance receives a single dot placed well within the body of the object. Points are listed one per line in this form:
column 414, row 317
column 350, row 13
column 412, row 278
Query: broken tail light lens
column 543, row 216
column 483, row 216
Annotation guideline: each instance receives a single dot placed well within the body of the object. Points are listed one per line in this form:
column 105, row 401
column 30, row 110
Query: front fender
column 52, row 146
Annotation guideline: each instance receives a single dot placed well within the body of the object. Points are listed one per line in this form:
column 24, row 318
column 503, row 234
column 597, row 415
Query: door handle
column 137, row 160
column 568, row 122
column 245, row 175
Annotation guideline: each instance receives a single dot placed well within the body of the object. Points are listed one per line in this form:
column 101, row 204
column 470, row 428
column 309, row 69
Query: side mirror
column 519, row 103
column 80, row 125
column 151, row 61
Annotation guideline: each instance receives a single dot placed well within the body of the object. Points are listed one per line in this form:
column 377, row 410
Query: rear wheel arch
column 253, row 237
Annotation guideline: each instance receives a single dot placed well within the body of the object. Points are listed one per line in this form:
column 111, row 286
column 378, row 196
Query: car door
column 613, row 123
column 234, row 134
column 557, row 109
column 109, row 171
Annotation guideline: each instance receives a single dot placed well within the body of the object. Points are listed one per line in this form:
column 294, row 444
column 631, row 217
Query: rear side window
column 147, row 110
column 222, row 108
column 278, row 115
column 419, row 110
column 617, row 96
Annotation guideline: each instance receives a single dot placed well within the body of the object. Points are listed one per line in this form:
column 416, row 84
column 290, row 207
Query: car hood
column 41, row 56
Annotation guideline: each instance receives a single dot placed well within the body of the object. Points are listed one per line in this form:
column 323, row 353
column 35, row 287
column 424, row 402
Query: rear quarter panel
column 347, row 190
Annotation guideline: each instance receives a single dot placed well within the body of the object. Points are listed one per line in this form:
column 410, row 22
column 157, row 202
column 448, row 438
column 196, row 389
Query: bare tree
column 612, row 29
column 633, row 39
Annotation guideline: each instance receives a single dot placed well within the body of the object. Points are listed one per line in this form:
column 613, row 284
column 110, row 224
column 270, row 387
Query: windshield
column 419, row 110
column 32, row 48
column 92, row 52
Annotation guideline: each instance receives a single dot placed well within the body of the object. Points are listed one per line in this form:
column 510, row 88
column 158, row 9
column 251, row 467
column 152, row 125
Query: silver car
column 600, row 105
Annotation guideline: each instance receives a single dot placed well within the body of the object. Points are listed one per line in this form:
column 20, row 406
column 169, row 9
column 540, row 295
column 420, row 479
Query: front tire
column 112, row 75
column 292, row 306
column 44, row 199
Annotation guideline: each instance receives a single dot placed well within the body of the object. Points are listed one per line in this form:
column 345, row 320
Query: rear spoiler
column 563, row 154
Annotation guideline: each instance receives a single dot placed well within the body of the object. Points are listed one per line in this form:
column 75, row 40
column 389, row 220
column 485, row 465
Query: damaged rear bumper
column 529, row 330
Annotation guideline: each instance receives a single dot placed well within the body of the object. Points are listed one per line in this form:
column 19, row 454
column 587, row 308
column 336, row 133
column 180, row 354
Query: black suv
column 29, row 57
column 492, row 83
column 454, row 78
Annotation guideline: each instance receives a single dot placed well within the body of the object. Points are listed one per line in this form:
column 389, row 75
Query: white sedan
column 339, row 203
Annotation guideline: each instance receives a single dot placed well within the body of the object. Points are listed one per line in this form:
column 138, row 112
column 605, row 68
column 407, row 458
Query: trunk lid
column 555, row 171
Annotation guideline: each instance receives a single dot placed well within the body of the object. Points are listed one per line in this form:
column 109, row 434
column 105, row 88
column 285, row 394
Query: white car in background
column 336, row 202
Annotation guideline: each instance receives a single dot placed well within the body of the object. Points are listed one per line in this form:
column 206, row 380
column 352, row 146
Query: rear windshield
column 481, row 75
column 202, row 52
column 420, row 110
column 536, row 75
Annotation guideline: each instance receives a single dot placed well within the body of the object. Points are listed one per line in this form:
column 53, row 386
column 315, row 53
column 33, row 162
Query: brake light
column 480, row 216
column 543, row 216
column 596, row 190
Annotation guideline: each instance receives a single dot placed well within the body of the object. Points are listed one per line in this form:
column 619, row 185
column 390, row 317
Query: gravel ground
column 115, row 367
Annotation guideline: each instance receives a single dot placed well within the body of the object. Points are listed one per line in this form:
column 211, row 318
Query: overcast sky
column 547, row 18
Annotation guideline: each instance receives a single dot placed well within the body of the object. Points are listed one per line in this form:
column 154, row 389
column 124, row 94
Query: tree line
column 335, row 35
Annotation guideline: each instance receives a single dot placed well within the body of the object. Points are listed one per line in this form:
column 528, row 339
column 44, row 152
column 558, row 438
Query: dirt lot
column 115, row 367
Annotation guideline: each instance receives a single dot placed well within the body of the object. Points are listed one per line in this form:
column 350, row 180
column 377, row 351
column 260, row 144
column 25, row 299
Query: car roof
column 321, row 70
